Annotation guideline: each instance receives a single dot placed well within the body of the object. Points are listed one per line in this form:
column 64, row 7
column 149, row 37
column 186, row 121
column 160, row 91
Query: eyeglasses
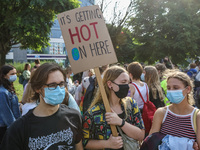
column 53, row 86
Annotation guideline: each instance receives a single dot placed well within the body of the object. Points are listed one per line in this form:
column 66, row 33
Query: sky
column 109, row 11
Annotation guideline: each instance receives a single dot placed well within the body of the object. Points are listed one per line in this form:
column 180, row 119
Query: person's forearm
column 97, row 144
column 133, row 131
column 79, row 146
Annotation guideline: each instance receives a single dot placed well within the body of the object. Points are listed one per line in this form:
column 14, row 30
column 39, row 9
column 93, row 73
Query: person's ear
column 109, row 83
column 6, row 76
column 188, row 88
column 130, row 75
column 39, row 91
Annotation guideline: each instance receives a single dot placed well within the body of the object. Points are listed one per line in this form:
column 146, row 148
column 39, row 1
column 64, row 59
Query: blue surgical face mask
column 12, row 78
column 175, row 96
column 142, row 77
column 71, row 75
column 54, row 97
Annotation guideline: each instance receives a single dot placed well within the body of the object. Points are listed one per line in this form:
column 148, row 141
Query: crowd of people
column 60, row 110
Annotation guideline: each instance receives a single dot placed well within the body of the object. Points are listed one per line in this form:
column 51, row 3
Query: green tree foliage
column 122, row 43
column 166, row 28
column 28, row 22
column 118, row 28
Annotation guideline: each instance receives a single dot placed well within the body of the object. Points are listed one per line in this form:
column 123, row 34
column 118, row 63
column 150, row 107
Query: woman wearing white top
column 135, row 72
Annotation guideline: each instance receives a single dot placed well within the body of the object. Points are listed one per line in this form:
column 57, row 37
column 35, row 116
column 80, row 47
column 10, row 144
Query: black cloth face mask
column 123, row 90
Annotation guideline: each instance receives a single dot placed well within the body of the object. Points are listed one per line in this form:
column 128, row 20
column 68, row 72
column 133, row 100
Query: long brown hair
column 28, row 93
column 66, row 99
column 153, row 81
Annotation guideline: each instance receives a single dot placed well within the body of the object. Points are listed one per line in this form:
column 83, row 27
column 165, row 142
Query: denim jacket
column 170, row 142
column 9, row 108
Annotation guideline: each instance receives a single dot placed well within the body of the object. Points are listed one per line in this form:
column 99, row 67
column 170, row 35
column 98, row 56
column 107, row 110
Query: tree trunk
column 4, row 49
column 2, row 59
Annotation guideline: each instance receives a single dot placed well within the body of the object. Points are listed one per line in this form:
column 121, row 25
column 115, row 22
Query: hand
column 195, row 146
column 115, row 142
column 113, row 118
column 20, row 107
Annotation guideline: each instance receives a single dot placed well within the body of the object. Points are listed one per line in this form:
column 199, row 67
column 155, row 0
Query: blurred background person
column 70, row 85
column 37, row 64
column 192, row 72
column 153, row 82
column 161, row 68
column 26, row 73
column 9, row 107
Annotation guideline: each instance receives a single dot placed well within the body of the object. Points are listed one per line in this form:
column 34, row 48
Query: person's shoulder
column 64, row 109
column 164, row 81
column 130, row 100
column 69, row 112
column 99, row 107
column 198, row 113
column 18, row 124
column 70, row 96
column 131, row 85
column 161, row 111
column 195, row 71
column 3, row 90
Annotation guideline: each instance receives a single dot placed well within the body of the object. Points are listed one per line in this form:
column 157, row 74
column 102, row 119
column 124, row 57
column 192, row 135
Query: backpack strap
column 195, row 120
column 141, row 94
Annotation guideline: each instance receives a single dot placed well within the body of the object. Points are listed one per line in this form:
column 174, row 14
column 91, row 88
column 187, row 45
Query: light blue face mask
column 54, row 97
column 142, row 77
column 175, row 96
column 12, row 78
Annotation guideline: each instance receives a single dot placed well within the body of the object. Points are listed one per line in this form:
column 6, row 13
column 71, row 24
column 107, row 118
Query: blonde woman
column 177, row 118
column 125, row 114
column 155, row 90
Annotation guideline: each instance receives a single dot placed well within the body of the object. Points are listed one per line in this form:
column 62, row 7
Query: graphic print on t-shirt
column 45, row 142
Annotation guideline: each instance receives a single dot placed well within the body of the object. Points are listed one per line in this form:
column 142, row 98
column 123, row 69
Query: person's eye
column 52, row 85
column 62, row 84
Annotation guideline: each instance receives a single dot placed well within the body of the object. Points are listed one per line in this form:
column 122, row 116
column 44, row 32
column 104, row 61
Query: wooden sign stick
column 105, row 99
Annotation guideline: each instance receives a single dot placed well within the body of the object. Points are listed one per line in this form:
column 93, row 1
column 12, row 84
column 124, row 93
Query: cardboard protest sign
column 88, row 43
column 86, row 38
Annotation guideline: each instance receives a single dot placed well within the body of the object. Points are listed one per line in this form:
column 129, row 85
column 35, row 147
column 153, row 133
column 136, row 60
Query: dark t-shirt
column 157, row 102
column 62, row 130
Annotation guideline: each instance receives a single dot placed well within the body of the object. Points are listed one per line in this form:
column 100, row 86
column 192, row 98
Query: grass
column 19, row 89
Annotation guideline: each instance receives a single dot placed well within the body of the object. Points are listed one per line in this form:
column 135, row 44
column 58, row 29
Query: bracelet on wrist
column 123, row 123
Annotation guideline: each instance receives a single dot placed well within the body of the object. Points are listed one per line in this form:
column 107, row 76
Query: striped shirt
column 178, row 125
